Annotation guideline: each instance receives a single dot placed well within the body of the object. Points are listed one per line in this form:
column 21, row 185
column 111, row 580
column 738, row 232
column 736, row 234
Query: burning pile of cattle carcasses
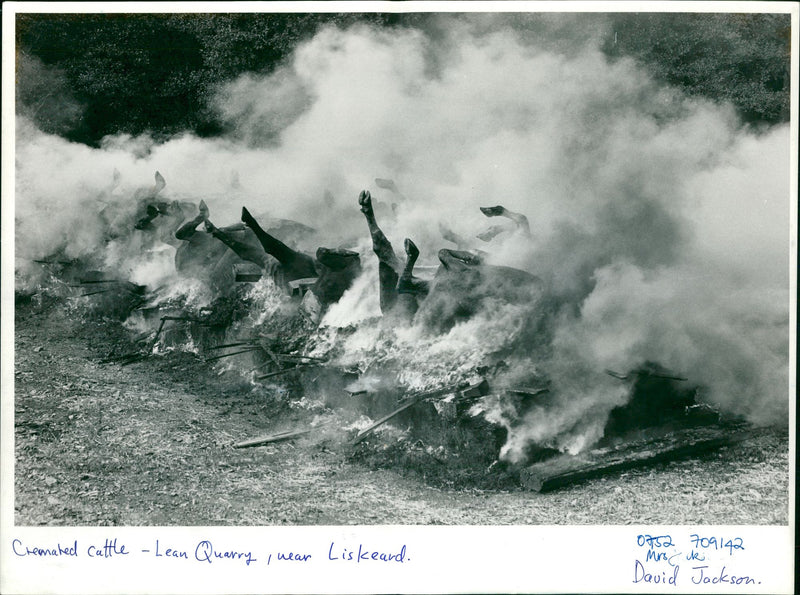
column 446, row 374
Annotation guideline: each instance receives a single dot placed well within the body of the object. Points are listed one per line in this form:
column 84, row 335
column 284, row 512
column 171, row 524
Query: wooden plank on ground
column 272, row 438
column 216, row 357
column 367, row 431
column 567, row 469
column 481, row 387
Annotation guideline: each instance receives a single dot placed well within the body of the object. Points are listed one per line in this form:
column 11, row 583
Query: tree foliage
column 740, row 58
column 156, row 72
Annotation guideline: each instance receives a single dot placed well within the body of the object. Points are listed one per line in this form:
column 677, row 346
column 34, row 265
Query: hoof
column 365, row 202
column 411, row 248
column 160, row 183
column 493, row 211
column 247, row 218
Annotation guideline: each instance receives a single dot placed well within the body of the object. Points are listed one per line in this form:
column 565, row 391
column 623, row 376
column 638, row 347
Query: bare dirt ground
column 150, row 444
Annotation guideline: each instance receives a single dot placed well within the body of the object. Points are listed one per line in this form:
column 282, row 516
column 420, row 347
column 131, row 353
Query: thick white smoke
column 659, row 221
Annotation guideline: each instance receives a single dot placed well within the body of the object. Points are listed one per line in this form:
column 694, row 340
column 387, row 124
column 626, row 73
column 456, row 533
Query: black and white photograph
column 397, row 266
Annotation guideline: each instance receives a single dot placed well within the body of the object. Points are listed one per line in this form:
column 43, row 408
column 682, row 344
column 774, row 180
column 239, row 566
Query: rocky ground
column 150, row 443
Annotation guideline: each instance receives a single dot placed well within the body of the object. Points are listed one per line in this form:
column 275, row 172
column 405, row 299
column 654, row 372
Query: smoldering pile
column 636, row 273
column 448, row 375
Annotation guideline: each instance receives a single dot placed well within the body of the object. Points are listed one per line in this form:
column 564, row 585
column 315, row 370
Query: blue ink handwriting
column 169, row 552
column 653, row 570
column 365, row 555
column 108, row 550
column 700, row 578
column 737, row 543
column 58, row 550
column 640, row 574
column 294, row 557
column 654, row 541
column 205, row 552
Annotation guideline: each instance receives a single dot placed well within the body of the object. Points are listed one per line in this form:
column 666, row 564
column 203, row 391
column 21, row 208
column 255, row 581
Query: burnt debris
column 255, row 303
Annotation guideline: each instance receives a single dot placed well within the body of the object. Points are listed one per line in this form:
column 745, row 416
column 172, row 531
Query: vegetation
column 137, row 73
column 741, row 58
column 86, row 76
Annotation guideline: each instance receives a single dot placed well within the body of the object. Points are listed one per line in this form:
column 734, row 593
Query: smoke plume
column 659, row 224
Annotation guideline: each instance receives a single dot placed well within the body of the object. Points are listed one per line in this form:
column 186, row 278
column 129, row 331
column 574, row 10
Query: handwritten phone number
column 698, row 542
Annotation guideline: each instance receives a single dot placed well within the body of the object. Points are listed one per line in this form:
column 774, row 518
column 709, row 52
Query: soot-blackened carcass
column 662, row 420
column 123, row 226
column 400, row 292
column 144, row 211
column 333, row 270
column 519, row 220
column 463, row 285
column 213, row 254
column 520, row 226
column 160, row 219
column 337, row 268
column 659, row 401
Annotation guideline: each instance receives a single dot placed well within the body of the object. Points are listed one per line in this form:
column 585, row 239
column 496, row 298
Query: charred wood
column 564, row 470
column 284, row 371
column 272, row 438
column 216, row 357
column 464, row 388
column 99, row 291
column 236, row 344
